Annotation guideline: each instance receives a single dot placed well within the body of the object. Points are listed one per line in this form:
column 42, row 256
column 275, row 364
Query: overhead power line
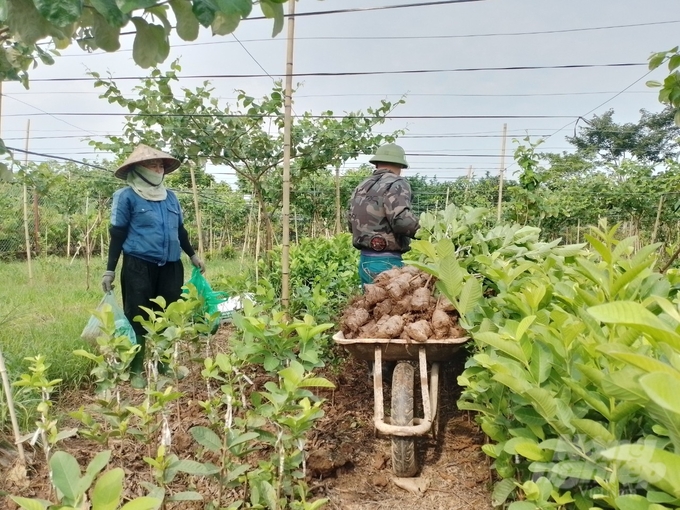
column 52, row 156
column 359, row 73
column 240, row 115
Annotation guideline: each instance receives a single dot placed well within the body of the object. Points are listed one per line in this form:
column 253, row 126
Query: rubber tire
column 404, row 463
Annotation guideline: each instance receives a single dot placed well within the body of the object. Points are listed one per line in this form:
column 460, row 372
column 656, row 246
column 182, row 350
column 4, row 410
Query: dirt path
column 357, row 464
column 346, row 463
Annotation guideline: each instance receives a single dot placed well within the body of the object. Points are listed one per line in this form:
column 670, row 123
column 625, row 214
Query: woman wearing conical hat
column 148, row 228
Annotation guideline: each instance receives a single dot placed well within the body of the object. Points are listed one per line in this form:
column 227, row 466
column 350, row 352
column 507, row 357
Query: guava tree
column 247, row 138
column 99, row 24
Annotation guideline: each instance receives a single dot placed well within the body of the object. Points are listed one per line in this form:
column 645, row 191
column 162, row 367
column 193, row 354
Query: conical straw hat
column 145, row 153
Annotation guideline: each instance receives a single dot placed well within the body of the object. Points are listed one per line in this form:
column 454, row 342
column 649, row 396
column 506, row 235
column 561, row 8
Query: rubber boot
column 137, row 378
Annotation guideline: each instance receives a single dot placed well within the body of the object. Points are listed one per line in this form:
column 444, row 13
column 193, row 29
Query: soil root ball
column 390, row 326
column 421, row 299
column 374, row 294
column 445, row 304
column 441, row 323
column 357, row 318
column 384, row 308
column 400, row 304
column 419, row 331
column 398, row 287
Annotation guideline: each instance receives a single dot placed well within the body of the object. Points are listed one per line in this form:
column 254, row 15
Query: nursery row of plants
column 572, row 374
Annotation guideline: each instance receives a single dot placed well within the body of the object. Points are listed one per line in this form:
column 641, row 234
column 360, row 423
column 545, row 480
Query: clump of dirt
column 401, row 303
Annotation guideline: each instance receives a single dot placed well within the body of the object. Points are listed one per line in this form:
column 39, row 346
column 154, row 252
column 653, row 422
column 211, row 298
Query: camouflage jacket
column 380, row 216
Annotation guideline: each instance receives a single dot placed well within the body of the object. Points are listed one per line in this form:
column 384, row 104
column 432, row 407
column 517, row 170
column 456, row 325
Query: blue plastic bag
column 92, row 329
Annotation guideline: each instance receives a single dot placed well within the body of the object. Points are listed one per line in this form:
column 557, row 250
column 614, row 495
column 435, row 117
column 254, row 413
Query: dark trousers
column 141, row 281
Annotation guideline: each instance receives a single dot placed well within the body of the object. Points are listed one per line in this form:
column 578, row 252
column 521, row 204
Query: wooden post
column 197, row 210
column 68, row 239
column 87, row 243
column 26, row 234
column 502, row 170
column 658, row 218
column 467, row 184
column 287, row 124
column 10, row 404
column 36, row 221
column 338, row 222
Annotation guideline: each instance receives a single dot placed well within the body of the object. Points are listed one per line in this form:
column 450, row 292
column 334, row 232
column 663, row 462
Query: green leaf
column 187, row 24
column 632, row 502
column 509, row 347
column 316, row 382
column 29, row 504
column 594, row 430
column 196, row 468
column 204, row 10
column 636, row 316
column 543, row 402
column 146, row 45
column 541, row 362
column 469, row 296
column 60, row 12
column 236, row 439
column 143, row 503
column 110, row 11
column 641, row 361
column 98, row 463
column 578, row 469
column 65, row 474
column 674, row 63
column 658, row 467
column 107, row 491
column 530, row 450
column 241, row 8
column 225, row 24
column 3, row 10
column 451, row 276
column 6, row 174
column 106, row 37
column 206, row 438
column 662, row 388
column 127, row 6
column 502, row 491
column 186, row 496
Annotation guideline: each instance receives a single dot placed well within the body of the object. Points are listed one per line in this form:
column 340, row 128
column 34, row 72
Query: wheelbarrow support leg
column 379, row 409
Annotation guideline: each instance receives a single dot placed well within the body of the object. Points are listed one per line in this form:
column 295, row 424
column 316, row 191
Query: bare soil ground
column 346, row 463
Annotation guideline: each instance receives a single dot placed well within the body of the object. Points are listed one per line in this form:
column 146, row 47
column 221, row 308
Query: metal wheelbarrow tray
column 402, row 426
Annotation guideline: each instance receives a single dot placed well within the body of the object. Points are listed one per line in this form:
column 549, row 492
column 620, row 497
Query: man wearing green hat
column 380, row 215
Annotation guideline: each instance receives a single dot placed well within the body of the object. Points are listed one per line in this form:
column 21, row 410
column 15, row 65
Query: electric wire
column 359, row 73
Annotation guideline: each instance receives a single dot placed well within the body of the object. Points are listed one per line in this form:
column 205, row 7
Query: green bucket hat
column 390, row 153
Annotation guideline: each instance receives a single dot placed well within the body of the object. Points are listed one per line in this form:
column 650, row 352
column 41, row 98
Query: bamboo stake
column 338, row 226
column 257, row 240
column 502, row 169
column 658, row 218
column 87, row 243
column 10, row 405
column 287, row 122
column 198, row 210
column 26, row 234
column 68, row 239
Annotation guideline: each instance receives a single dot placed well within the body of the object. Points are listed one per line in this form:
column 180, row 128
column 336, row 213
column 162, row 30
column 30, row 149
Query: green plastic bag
column 211, row 299
column 92, row 329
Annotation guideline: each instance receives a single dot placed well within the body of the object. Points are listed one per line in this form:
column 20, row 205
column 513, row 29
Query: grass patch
column 46, row 314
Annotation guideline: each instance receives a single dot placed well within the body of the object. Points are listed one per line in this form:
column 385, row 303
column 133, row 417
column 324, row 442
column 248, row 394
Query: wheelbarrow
column 402, row 427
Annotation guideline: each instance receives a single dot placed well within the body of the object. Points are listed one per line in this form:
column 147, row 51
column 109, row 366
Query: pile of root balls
column 400, row 304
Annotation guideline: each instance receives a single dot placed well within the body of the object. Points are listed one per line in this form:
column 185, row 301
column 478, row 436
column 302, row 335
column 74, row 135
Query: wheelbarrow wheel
column 403, row 448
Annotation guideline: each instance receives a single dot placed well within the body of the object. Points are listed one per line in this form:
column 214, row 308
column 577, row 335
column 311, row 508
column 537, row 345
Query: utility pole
column 501, row 172
column 287, row 125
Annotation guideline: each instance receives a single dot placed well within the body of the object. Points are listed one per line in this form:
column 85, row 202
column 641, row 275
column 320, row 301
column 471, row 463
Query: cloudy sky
column 456, row 40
